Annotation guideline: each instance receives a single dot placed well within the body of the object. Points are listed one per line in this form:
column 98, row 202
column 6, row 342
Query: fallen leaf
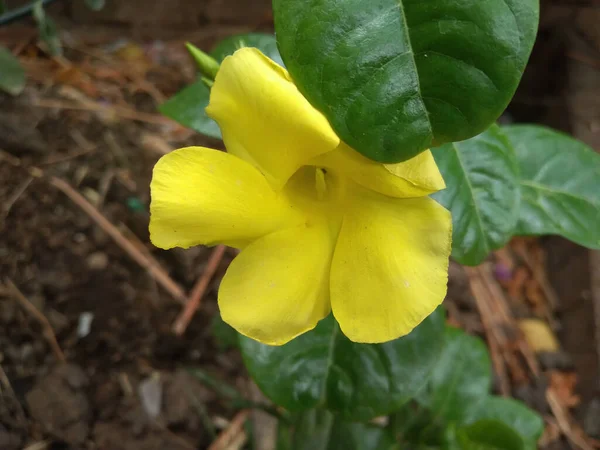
column 563, row 384
column 538, row 335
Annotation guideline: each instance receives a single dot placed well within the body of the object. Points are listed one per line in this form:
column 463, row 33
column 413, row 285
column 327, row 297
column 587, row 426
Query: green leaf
column 559, row 185
column 486, row 435
column 461, row 378
column 522, row 420
column 46, row 29
column 482, row 193
column 457, row 395
column 225, row 336
column 266, row 43
column 12, row 75
column 418, row 425
column 395, row 77
column 321, row 430
column 95, row 5
column 322, row 368
column 187, row 108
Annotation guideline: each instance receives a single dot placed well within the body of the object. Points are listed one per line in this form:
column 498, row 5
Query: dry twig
column 563, row 420
column 15, row 196
column 233, row 433
column 6, row 386
column 182, row 321
column 120, row 111
column 491, row 330
column 32, row 310
column 144, row 259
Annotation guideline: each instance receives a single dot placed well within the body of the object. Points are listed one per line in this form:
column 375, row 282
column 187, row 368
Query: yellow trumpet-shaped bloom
column 321, row 227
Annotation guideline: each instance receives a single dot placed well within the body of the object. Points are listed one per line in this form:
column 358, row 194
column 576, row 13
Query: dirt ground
column 88, row 356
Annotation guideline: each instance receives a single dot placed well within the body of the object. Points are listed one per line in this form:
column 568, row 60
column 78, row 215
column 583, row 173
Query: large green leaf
column 12, row 75
column 461, row 378
column 482, row 193
column 457, row 397
column 484, row 435
column 321, row 430
column 522, row 420
column 188, row 106
column 359, row 381
column 560, row 190
column 395, row 77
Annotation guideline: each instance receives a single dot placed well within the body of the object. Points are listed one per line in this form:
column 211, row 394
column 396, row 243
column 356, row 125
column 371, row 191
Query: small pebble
column 97, row 261
column 150, row 392
column 84, row 326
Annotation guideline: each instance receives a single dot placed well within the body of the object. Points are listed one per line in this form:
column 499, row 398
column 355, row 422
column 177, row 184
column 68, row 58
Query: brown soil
column 72, row 271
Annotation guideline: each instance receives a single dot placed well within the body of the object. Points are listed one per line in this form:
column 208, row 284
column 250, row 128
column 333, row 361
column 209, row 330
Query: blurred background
column 96, row 351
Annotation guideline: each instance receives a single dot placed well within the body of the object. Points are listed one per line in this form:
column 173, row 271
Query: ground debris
column 58, row 401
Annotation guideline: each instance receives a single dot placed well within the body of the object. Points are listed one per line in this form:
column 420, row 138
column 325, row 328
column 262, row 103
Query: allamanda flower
column 321, row 228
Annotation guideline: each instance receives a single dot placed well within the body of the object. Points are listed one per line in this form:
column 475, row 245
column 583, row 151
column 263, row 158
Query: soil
column 126, row 382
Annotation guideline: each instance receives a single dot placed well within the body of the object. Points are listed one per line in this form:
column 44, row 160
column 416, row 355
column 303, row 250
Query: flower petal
column 263, row 117
column 390, row 266
column 205, row 196
column 417, row 177
column 278, row 287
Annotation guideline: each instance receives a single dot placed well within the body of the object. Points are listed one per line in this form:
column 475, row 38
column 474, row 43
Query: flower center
column 316, row 193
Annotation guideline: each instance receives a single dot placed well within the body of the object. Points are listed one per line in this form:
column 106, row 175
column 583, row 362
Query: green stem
column 237, row 399
column 19, row 13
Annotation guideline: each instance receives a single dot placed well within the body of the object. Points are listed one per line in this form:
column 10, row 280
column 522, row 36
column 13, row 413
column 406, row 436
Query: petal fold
column 278, row 287
column 390, row 266
column 263, row 117
column 205, row 196
column 417, row 177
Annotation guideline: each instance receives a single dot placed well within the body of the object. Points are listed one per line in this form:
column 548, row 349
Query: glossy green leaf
column 526, row 423
column 419, row 426
column 322, row 368
column 188, row 106
column 482, row 193
column 266, row 43
column 224, row 334
column 461, row 378
column 321, row 430
column 395, row 77
column 12, row 75
column 457, row 396
column 485, row 435
column 560, row 190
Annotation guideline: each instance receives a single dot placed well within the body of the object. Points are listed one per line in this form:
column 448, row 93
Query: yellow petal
column 263, row 117
column 205, row 196
column 390, row 266
column 278, row 286
column 417, row 177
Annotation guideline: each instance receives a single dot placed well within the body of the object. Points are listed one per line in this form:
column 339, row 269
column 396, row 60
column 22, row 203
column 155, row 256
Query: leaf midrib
column 414, row 63
column 472, row 193
column 551, row 191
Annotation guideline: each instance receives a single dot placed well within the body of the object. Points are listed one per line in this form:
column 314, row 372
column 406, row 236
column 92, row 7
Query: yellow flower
column 321, row 228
